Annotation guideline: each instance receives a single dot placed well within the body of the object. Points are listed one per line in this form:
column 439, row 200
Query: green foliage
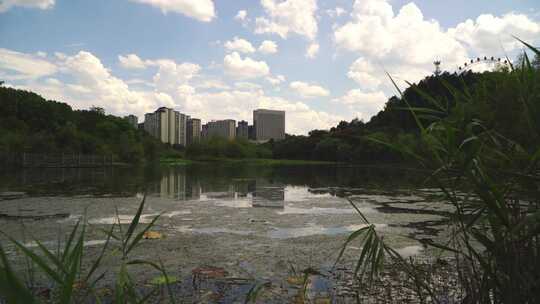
column 483, row 154
column 347, row 141
column 218, row 147
column 71, row 283
column 29, row 123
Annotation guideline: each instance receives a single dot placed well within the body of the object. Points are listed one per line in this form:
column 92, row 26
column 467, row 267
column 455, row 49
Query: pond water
column 253, row 221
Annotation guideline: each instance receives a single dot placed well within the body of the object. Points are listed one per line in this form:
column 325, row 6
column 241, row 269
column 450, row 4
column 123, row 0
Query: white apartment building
column 167, row 125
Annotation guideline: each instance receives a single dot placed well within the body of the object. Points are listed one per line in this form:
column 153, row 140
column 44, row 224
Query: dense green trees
column 217, row 147
column 348, row 140
column 29, row 123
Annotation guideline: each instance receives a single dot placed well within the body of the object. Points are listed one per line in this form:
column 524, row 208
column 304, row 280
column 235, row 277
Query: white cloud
column 365, row 74
column 488, row 33
column 405, row 43
column 15, row 65
column 312, row 50
column 171, row 74
column 307, row 90
column 241, row 15
column 278, row 79
column 268, row 47
column 239, row 104
column 237, row 67
column 363, row 104
column 289, row 16
column 202, row 10
column 212, row 84
column 336, row 12
column 239, row 45
column 244, row 85
column 5, row 5
column 131, row 61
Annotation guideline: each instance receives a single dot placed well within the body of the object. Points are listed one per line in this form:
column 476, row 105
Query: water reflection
column 208, row 181
column 243, row 192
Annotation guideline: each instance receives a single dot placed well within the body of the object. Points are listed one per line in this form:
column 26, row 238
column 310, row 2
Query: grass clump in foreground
column 63, row 268
column 491, row 176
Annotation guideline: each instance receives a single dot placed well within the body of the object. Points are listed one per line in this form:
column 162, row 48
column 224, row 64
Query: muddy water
column 256, row 222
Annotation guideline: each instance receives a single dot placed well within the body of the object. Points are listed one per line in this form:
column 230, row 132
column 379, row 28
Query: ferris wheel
column 491, row 62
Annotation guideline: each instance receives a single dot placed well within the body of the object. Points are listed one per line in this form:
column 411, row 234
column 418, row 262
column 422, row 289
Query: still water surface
column 251, row 220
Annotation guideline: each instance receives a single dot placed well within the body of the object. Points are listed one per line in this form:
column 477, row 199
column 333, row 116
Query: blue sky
column 321, row 61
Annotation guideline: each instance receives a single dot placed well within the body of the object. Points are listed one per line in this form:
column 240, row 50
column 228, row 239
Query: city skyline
column 175, row 128
column 321, row 61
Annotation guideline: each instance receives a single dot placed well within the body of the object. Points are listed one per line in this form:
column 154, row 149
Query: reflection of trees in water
column 192, row 181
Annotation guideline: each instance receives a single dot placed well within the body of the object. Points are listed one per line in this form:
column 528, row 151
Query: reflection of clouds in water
column 280, row 233
column 212, row 230
column 176, row 213
column 53, row 244
column 123, row 218
column 410, row 251
column 235, row 203
column 300, row 194
column 287, row 233
column 317, row 210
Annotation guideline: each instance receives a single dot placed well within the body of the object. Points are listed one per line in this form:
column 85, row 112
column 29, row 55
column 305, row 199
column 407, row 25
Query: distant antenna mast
column 437, row 64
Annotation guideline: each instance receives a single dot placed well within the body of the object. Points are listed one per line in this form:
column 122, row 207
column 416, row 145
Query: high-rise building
column 133, row 120
column 242, row 131
column 193, row 130
column 167, row 125
column 269, row 124
column 222, row 128
column 251, row 132
column 204, row 131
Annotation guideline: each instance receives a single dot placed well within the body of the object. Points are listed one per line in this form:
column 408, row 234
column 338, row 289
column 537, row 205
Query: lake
column 255, row 222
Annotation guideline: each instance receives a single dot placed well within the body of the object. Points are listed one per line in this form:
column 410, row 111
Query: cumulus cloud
column 289, row 16
column 5, row 5
column 239, row 104
column 406, row 39
column 244, row 85
column 171, row 74
column 268, row 47
column 488, row 33
column 278, row 79
column 131, row 61
column 312, row 50
column 16, row 66
column 365, row 74
column 241, row 15
column 406, row 44
column 363, row 104
column 307, row 90
column 240, row 45
column 202, row 10
column 238, row 67
column 336, row 12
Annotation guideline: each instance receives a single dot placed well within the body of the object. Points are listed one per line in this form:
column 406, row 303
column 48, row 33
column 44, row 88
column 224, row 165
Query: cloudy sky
column 321, row 61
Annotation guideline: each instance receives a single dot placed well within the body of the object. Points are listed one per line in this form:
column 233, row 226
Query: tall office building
column 193, row 130
column 167, row 125
column 221, row 128
column 242, row 131
column 269, row 124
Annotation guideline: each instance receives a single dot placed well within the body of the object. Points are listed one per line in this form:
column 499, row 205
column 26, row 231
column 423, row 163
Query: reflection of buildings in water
column 269, row 195
column 173, row 185
column 176, row 185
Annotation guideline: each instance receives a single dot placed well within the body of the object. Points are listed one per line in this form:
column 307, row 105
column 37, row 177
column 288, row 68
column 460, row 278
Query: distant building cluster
column 175, row 128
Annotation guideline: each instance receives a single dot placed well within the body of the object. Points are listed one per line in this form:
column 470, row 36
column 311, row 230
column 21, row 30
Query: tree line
column 495, row 104
column 29, row 123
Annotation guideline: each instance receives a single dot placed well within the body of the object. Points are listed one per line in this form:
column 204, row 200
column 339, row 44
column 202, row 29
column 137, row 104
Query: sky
column 320, row 61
